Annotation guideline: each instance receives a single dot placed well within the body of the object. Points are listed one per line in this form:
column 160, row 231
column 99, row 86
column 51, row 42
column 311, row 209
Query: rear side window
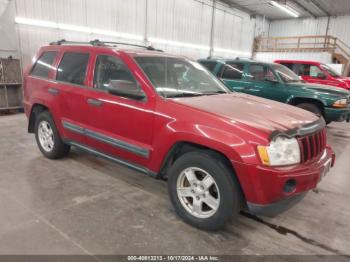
column 233, row 71
column 43, row 65
column 209, row 65
column 309, row 70
column 289, row 65
column 72, row 68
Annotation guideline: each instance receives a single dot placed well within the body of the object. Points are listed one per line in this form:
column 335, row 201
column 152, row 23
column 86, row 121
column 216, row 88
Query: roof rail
column 98, row 42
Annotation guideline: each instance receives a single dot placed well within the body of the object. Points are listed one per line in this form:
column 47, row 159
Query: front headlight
column 341, row 103
column 281, row 152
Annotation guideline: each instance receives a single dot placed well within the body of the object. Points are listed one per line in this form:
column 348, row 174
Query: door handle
column 53, row 91
column 94, row 102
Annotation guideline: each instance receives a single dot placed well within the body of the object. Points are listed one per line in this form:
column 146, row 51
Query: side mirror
column 126, row 88
column 321, row 76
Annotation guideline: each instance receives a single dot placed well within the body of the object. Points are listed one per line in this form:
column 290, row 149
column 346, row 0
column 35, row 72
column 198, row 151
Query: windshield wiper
column 215, row 93
column 185, row 94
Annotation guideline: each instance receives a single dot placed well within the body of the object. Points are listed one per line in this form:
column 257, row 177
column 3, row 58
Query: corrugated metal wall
column 187, row 21
column 298, row 27
column 8, row 36
column 338, row 27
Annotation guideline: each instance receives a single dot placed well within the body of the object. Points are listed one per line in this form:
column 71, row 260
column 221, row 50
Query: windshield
column 286, row 74
column 179, row 77
column 330, row 71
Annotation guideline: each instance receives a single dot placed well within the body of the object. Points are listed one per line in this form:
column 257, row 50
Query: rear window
column 209, row 65
column 43, row 65
column 72, row 68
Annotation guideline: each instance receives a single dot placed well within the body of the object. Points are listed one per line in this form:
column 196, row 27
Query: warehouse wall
column 338, row 27
column 9, row 41
column 164, row 23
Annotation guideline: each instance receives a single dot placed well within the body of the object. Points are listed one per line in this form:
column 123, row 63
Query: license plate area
column 326, row 169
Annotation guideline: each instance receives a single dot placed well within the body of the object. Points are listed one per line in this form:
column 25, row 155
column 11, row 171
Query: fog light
column 289, row 186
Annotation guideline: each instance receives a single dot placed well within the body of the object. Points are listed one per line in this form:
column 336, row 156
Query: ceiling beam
column 302, row 7
column 317, row 4
column 238, row 7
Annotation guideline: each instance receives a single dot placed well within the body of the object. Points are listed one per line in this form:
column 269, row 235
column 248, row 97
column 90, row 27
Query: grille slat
column 312, row 145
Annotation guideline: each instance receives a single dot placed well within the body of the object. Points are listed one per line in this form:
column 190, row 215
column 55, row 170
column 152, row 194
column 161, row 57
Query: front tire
column 203, row 190
column 311, row 108
column 48, row 138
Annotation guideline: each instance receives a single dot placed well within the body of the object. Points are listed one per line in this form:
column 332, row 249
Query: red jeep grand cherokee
column 168, row 117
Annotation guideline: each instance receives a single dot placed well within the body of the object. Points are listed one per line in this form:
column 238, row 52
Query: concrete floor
column 86, row 205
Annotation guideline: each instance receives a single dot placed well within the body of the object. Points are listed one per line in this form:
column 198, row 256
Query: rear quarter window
column 209, row 65
column 73, row 67
column 44, row 64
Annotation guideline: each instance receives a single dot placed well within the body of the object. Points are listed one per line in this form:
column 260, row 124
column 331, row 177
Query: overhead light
column 96, row 31
column 285, row 8
column 75, row 28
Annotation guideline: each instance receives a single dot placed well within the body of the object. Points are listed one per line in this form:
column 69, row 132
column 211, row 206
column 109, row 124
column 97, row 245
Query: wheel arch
column 36, row 109
column 182, row 147
column 301, row 100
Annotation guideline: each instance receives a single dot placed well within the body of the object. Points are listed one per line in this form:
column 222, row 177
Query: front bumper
column 264, row 187
column 275, row 208
column 337, row 114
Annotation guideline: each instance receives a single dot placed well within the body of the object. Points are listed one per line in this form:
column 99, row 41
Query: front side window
column 72, row 68
column 44, row 64
column 233, row 71
column 330, row 70
column 110, row 68
column 285, row 74
column 178, row 77
column 261, row 73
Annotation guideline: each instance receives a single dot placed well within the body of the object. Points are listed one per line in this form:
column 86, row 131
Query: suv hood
column 324, row 89
column 260, row 113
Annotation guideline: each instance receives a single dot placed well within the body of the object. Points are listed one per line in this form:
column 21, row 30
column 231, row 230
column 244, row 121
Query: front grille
column 312, row 145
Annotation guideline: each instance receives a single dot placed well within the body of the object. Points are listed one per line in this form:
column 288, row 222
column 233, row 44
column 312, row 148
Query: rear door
column 233, row 75
column 72, row 89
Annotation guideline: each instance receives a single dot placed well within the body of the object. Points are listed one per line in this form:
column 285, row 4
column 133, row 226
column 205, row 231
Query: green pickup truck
column 277, row 82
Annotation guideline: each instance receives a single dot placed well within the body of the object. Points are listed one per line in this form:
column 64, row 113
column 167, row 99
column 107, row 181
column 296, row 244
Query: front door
column 118, row 125
column 313, row 74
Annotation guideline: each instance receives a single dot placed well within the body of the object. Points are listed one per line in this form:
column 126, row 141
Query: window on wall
column 72, row 68
column 110, row 68
column 232, row 71
column 43, row 65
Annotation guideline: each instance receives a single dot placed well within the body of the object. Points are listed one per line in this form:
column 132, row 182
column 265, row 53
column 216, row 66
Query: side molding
column 107, row 139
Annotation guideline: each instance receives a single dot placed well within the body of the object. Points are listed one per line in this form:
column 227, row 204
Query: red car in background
column 316, row 72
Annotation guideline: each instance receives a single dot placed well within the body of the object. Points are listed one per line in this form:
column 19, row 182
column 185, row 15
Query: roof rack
column 98, row 42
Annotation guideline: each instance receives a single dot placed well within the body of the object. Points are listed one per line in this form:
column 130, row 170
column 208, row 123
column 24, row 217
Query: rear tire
column 203, row 191
column 48, row 138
